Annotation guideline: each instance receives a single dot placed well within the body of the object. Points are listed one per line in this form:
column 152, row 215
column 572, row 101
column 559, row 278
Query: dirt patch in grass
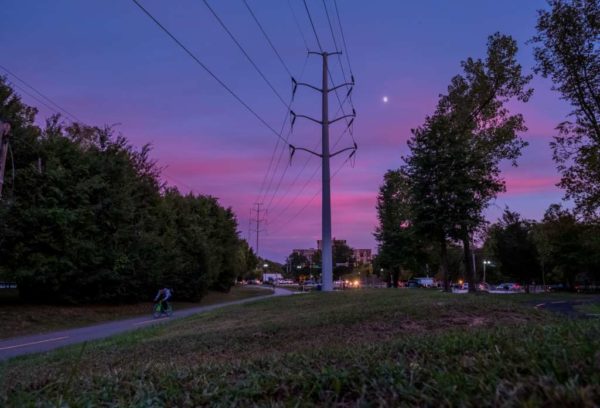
column 20, row 319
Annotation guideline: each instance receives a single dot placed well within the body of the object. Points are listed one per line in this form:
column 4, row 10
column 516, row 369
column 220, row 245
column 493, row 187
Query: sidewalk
column 49, row 341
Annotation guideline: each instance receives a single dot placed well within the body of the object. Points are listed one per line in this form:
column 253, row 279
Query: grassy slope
column 370, row 347
column 20, row 319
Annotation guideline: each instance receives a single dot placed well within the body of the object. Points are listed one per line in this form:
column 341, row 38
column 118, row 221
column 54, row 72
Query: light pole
column 485, row 262
column 265, row 266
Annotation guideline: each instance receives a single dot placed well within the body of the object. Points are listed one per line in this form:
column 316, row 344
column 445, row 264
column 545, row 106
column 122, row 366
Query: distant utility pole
column 4, row 130
column 326, row 267
column 259, row 211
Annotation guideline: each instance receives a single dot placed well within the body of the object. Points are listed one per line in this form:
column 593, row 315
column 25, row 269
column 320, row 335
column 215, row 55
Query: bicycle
column 159, row 309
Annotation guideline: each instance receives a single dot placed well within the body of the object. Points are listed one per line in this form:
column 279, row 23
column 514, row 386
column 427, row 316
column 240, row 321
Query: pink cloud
column 516, row 185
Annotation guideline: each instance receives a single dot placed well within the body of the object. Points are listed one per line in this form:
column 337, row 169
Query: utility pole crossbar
column 325, row 155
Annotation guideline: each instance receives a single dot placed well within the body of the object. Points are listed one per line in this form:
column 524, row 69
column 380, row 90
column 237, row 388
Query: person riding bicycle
column 162, row 297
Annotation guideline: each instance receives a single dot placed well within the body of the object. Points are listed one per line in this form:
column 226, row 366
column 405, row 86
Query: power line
column 57, row 106
column 286, row 117
column 339, row 57
column 298, row 25
column 333, row 38
column 38, row 100
column 312, row 24
column 298, row 176
column 215, row 77
column 328, row 71
column 307, row 182
column 337, row 12
column 288, row 221
column 277, row 144
column 267, row 38
column 246, row 54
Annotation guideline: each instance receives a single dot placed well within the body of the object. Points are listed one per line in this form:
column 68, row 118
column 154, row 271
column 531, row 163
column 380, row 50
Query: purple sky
column 107, row 63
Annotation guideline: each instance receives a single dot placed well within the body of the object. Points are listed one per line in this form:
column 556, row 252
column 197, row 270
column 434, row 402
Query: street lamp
column 485, row 262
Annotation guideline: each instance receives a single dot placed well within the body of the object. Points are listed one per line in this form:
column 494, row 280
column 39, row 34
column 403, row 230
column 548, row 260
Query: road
column 565, row 307
column 49, row 341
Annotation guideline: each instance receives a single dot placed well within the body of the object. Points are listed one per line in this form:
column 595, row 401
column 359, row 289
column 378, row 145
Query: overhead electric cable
column 339, row 57
column 263, row 198
column 314, row 196
column 38, row 100
column 246, row 54
column 262, row 30
column 60, row 108
column 337, row 12
column 307, row 182
column 312, row 24
column 298, row 25
column 216, row 78
column 328, row 71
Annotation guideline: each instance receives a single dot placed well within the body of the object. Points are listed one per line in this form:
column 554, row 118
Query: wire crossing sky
column 107, row 62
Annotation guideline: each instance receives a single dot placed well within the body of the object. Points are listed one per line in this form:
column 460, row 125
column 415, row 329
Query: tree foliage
column 87, row 219
column 513, row 246
column 569, row 248
column 454, row 161
column 400, row 247
column 568, row 52
column 559, row 249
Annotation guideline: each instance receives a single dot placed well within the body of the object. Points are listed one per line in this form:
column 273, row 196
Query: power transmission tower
column 4, row 129
column 258, row 220
column 325, row 155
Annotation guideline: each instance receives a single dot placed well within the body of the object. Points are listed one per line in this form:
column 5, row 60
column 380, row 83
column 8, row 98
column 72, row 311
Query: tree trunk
column 470, row 273
column 444, row 264
column 395, row 276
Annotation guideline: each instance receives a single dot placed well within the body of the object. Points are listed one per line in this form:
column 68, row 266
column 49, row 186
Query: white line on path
column 34, row 342
column 150, row 321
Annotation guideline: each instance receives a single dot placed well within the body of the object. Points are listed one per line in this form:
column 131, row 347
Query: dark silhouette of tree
column 400, row 247
column 514, row 249
column 87, row 219
column 568, row 52
column 454, row 163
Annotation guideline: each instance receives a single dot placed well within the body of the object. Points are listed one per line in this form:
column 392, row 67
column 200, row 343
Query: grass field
column 355, row 348
column 21, row 319
column 593, row 309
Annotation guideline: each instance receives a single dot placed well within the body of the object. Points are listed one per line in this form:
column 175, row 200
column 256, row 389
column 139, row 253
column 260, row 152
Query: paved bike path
column 49, row 341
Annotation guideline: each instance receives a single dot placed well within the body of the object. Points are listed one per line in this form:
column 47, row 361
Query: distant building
column 307, row 253
column 335, row 241
column 363, row 256
column 272, row 277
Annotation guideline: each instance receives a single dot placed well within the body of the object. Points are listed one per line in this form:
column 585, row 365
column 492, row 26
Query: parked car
column 285, row 282
column 509, row 286
column 413, row 283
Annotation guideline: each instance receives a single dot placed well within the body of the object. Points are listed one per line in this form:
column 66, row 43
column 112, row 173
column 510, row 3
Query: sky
column 107, row 63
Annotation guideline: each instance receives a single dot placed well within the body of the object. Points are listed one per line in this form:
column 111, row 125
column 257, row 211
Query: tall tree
column 454, row 165
column 568, row 52
column 399, row 245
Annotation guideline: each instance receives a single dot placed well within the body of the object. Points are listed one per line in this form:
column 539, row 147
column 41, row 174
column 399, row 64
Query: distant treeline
column 84, row 217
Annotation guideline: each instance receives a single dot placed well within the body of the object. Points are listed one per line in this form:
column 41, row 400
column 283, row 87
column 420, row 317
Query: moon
column 385, row 99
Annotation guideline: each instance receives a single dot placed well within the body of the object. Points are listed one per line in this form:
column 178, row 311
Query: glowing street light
column 485, row 262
